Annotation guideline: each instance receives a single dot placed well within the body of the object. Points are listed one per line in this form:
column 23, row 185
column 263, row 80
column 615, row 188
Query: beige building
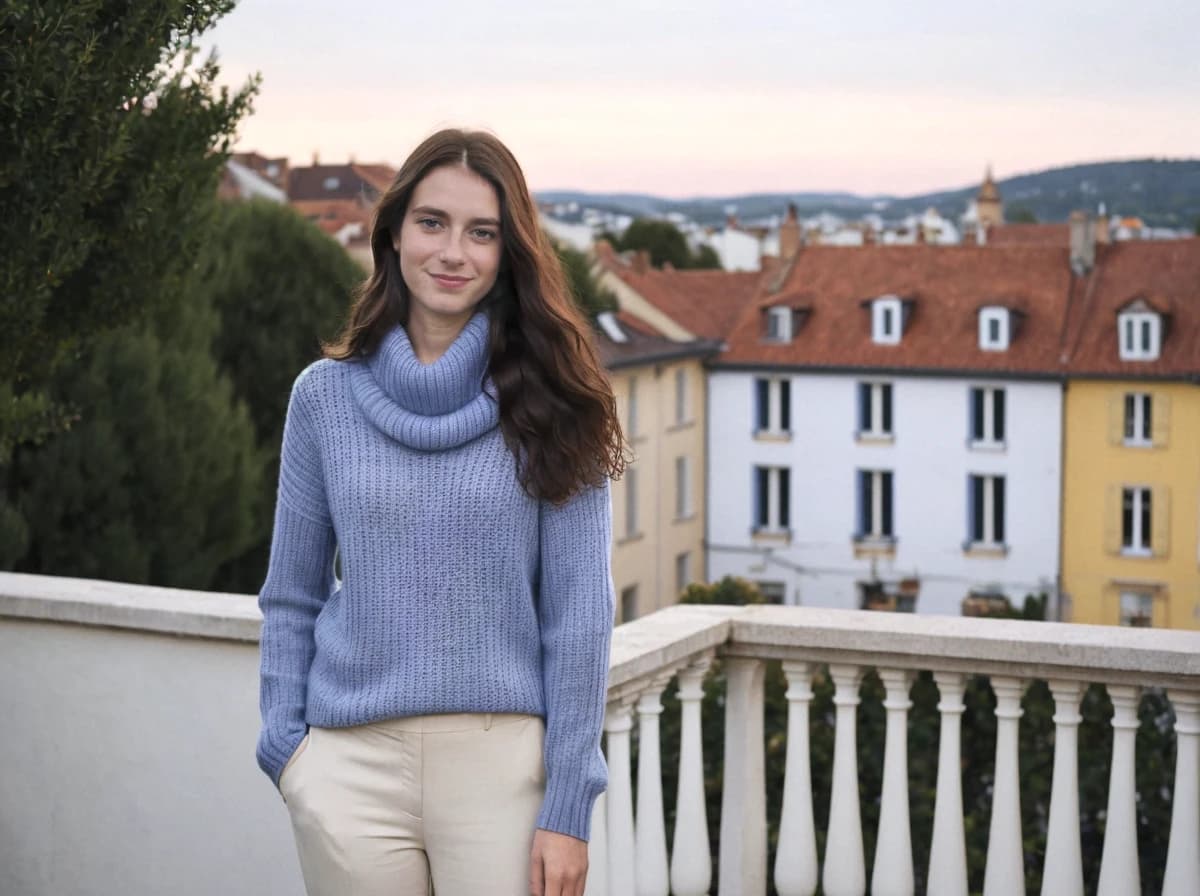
column 658, row 505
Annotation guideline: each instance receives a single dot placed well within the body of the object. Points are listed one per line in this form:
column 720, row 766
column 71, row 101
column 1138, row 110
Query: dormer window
column 779, row 324
column 887, row 321
column 1139, row 335
column 331, row 183
column 994, row 329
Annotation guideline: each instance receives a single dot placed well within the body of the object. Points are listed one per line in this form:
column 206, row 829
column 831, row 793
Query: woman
column 433, row 718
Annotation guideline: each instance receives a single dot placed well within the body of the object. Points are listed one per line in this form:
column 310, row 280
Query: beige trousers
column 442, row 804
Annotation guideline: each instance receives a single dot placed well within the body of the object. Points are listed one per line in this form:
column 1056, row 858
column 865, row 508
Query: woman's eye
column 428, row 223
column 485, row 235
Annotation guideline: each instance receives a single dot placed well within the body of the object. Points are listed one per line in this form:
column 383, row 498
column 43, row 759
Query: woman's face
column 449, row 243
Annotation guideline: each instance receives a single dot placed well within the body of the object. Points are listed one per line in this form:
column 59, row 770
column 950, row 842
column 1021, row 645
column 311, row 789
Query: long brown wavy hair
column 557, row 410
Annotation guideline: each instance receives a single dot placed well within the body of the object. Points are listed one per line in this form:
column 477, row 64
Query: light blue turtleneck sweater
column 458, row 591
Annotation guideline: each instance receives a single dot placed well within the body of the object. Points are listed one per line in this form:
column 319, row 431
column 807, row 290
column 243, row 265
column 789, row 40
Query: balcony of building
column 130, row 716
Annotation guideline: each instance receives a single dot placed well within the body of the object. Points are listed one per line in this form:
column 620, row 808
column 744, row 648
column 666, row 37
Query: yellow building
column 1131, row 489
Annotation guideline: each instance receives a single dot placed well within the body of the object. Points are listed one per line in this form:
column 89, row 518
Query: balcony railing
column 130, row 716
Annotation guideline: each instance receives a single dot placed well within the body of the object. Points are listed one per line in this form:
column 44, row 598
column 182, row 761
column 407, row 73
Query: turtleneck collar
column 429, row 406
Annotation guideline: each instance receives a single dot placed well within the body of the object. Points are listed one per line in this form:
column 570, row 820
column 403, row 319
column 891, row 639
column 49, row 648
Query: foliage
column 280, row 286
column 1155, row 758
column 1019, row 214
column 665, row 243
column 111, row 136
column 589, row 295
column 157, row 478
column 706, row 257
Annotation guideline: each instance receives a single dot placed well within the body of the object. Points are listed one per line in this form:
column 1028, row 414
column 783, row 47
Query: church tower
column 989, row 205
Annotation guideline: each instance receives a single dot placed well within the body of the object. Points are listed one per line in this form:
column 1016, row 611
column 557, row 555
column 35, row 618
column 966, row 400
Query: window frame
column 876, row 406
column 1144, row 332
column 1145, row 599
column 876, row 506
column 884, row 310
column 1000, row 316
column 1137, row 521
column 632, row 521
column 779, row 323
column 987, row 511
column 683, row 488
column 774, row 395
column 771, row 496
column 682, row 396
column 987, row 423
column 1138, row 414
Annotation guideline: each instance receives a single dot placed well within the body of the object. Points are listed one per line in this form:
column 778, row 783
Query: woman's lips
column 449, row 282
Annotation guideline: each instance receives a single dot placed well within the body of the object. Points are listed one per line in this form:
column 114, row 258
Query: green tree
column 1020, row 214
column 589, row 295
column 280, row 287
column 157, row 478
column 111, row 138
column 706, row 257
column 661, row 239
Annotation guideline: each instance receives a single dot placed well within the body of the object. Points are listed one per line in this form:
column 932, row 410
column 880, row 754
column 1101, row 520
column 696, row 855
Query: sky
column 706, row 98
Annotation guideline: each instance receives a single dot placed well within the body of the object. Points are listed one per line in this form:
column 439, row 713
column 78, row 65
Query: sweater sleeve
column 299, row 579
column 575, row 609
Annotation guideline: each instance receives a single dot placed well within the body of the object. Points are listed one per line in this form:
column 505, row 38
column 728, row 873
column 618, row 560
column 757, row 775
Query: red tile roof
column 1163, row 273
column 646, row 345
column 1050, row 235
column 946, row 285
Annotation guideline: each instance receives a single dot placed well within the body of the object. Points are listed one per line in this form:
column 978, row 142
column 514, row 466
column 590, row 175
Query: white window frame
column 1139, row 424
column 1138, row 540
column 683, row 571
column 331, row 183
column 683, row 487
column 1135, row 605
column 631, row 502
column 776, row 402
column 631, row 409
column 884, row 311
column 1139, row 335
column 872, row 530
column 779, row 323
column 775, row 524
column 682, row 414
column 988, row 512
column 1001, row 317
column 880, row 393
column 990, row 438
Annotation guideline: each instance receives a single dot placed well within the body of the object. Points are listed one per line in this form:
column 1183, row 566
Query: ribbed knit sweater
column 458, row 592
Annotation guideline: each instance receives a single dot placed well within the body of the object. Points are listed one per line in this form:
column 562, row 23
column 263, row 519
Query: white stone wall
column 930, row 459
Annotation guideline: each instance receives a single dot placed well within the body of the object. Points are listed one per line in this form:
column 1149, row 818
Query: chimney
column 316, row 159
column 1083, row 242
column 1102, row 234
column 641, row 261
column 789, row 234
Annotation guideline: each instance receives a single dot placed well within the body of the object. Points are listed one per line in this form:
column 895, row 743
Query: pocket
column 289, row 768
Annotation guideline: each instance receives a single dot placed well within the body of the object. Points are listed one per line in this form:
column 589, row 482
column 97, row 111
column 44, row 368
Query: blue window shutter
column 998, row 504
column 998, row 415
column 864, row 502
column 785, row 498
column 785, row 405
column 864, row 407
column 762, row 391
column 886, row 485
column 976, row 415
column 760, row 497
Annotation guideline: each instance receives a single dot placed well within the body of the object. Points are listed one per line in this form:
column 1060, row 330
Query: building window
column 1140, row 334
column 683, row 488
column 1136, row 521
column 1137, row 609
column 631, row 410
column 331, row 183
column 772, row 406
column 987, row 416
column 779, row 324
column 886, row 320
column 631, row 502
column 1138, row 425
column 993, row 329
column 772, row 592
column 875, row 410
column 683, row 571
column 772, row 502
column 985, row 511
column 682, row 414
column 875, row 504
column 629, row 602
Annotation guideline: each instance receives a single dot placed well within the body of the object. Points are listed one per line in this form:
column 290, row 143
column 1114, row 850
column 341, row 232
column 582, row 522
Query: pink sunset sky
column 710, row 98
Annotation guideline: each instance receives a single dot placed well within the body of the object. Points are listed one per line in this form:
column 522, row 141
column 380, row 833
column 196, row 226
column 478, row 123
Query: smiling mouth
column 448, row 280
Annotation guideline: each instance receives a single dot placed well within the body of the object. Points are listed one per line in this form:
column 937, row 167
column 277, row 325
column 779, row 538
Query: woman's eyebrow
column 437, row 212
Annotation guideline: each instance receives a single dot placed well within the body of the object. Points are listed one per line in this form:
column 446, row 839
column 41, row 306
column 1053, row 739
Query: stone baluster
column 1062, row 874
column 796, row 858
column 691, row 861
column 597, row 875
column 1005, row 871
column 948, row 854
column 1119, row 873
column 743, row 865
column 618, row 722
column 845, row 870
column 892, row 874
column 650, row 833
column 1182, row 877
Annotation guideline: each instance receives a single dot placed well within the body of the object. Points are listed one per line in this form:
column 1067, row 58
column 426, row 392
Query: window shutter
column 977, row 415
column 1116, row 418
column 761, row 477
column 998, row 414
column 970, row 509
column 785, row 405
column 886, row 397
column 864, row 407
column 785, row 498
column 762, row 391
column 886, row 485
column 864, row 502
column 1112, row 519
column 977, row 505
column 998, row 508
column 1160, row 419
column 1160, row 512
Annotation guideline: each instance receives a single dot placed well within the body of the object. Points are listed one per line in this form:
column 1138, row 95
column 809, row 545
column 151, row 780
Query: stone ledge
column 175, row 611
